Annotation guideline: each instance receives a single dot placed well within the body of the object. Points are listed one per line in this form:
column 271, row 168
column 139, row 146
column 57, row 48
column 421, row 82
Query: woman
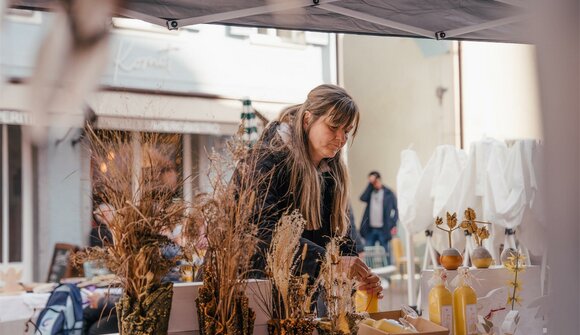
column 301, row 152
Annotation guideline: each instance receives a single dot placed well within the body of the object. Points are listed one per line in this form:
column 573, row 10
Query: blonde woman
column 303, row 151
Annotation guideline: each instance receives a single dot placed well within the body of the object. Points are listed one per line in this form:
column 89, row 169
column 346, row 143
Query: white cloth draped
column 498, row 182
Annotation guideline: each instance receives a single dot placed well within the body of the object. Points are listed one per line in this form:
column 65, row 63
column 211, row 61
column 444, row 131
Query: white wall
column 394, row 82
column 500, row 91
column 61, row 217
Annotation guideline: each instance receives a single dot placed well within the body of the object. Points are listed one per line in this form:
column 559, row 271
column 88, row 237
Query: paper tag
column 447, row 317
column 471, row 319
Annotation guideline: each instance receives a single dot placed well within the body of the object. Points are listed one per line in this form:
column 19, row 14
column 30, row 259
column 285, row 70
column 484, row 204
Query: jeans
column 376, row 235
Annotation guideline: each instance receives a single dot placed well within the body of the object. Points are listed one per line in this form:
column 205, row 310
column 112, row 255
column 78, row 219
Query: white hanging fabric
column 498, row 182
column 408, row 177
column 425, row 194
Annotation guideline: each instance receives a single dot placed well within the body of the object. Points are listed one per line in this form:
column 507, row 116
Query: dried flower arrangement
column 450, row 258
column 229, row 213
column 289, row 305
column 339, row 298
column 144, row 210
column 469, row 224
column 480, row 256
column 451, row 223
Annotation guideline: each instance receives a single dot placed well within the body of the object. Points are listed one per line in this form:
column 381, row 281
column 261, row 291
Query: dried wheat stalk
column 339, row 289
column 229, row 212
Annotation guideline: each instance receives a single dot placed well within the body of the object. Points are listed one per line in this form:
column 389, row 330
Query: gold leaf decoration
column 470, row 214
column 451, row 220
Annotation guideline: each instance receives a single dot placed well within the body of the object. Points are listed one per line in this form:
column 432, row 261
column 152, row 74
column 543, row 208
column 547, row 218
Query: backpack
column 63, row 314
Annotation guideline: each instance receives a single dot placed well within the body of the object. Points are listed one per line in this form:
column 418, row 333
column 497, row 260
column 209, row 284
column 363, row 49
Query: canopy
column 483, row 20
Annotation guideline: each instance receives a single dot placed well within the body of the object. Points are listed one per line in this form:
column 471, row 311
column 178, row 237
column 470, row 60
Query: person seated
column 100, row 234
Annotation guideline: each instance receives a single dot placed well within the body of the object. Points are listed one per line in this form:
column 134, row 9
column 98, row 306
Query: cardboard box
column 425, row 327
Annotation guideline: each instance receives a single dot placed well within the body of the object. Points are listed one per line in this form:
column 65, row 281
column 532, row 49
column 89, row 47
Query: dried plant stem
column 448, row 231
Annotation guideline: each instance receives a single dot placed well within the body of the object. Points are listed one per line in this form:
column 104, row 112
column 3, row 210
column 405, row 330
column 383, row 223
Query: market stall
column 494, row 22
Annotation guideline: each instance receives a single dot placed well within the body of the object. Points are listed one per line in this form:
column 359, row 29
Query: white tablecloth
column 22, row 306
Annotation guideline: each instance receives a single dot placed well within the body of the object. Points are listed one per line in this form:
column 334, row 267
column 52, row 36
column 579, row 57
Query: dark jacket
column 390, row 212
column 276, row 199
column 100, row 235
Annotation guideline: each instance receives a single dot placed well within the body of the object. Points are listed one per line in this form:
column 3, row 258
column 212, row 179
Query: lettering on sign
column 159, row 60
column 14, row 117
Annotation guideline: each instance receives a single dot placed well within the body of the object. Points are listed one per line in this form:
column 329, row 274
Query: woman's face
column 324, row 139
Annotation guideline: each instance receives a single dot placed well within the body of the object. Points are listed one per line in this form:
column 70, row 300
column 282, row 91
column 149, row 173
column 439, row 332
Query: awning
column 484, row 20
column 141, row 112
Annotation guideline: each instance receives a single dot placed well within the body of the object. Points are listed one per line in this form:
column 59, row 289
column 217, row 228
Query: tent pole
column 378, row 20
column 143, row 17
column 235, row 14
column 515, row 3
column 483, row 26
column 410, row 269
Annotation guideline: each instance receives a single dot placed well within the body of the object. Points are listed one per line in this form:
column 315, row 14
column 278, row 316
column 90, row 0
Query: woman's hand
column 357, row 269
column 94, row 299
column 354, row 267
column 372, row 284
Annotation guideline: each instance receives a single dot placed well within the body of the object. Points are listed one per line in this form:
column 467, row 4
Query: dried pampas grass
column 293, row 292
column 145, row 209
column 339, row 290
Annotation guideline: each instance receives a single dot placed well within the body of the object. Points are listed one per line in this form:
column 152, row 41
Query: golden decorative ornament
column 451, row 259
column 481, row 258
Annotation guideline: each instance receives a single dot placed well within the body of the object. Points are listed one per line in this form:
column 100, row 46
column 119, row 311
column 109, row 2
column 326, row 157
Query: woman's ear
column 306, row 120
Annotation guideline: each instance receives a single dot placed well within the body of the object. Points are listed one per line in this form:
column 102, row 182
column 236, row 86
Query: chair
column 400, row 259
column 376, row 258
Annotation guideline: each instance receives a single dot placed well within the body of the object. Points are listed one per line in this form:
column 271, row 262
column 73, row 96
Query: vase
column 147, row 317
column 291, row 327
column 481, row 258
column 451, row 259
column 507, row 253
column 240, row 322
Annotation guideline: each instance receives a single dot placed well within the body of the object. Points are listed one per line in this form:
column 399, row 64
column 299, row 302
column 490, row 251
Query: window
column 186, row 156
column 137, row 149
column 11, row 194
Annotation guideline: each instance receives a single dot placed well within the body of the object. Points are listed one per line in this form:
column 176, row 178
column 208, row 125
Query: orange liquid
column 465, row 310
column 366, row 303
column 441, row 307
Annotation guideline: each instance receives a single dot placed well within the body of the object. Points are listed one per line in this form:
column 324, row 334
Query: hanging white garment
column 434, row 190
column 408, row 177
column 472, row 185
column 505, row 197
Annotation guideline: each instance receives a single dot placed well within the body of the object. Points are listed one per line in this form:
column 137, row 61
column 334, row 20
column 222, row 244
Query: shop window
column 138, row 149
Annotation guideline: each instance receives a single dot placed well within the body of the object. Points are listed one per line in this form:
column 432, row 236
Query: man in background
column 381, row 215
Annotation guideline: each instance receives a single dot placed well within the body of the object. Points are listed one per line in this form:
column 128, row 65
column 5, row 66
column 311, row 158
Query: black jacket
column 278, row 200
column 390, row 211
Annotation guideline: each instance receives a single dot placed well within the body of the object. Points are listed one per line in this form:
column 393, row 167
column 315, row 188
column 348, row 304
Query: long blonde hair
column 305, row 180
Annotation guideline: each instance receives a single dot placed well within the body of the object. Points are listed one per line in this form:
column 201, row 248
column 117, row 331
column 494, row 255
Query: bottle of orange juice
column 440, row 301
column 464, row 304
column 365, row 302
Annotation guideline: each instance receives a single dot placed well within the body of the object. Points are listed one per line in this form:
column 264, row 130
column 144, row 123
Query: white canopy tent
column 483, row 20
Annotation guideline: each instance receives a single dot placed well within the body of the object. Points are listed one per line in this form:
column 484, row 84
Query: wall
column 394, row 81
column 500, row 91
column 61, row 197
